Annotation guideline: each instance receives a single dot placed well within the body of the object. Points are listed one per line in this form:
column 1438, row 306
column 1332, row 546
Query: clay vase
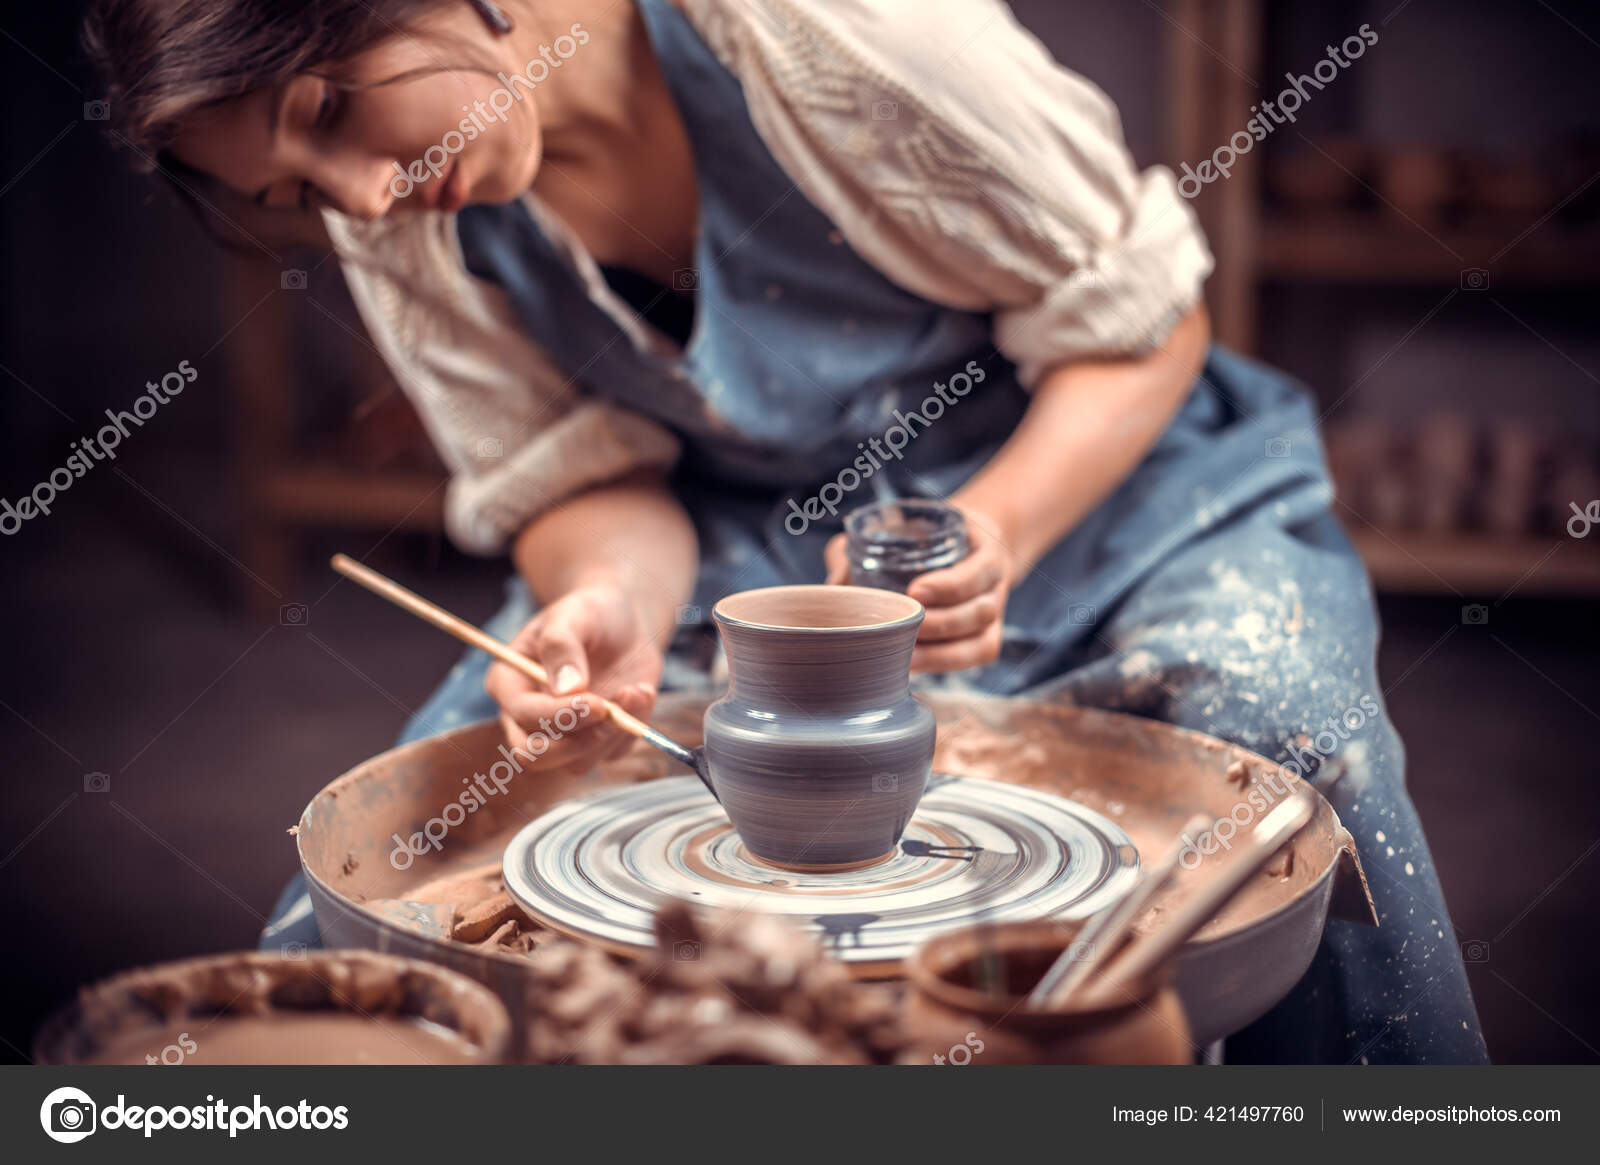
column 819, row 752
column 950, row 1019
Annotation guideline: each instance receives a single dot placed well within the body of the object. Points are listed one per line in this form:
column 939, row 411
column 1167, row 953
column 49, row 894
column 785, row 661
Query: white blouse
column 940, row 137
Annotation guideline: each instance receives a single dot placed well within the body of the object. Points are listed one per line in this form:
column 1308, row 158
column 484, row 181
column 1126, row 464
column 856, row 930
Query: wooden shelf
column 319, row 495
column 1479, row 565
column 1375, row 248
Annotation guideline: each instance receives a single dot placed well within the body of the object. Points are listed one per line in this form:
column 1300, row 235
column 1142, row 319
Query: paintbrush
column 467, row 633
column 989, row 970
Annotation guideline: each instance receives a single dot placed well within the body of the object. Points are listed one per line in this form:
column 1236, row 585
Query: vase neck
column 833, row 672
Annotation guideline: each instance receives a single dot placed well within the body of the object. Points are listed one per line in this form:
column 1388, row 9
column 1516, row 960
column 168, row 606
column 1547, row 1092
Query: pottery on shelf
column 1417, row 182
column 1326, row 175
column 819, row 752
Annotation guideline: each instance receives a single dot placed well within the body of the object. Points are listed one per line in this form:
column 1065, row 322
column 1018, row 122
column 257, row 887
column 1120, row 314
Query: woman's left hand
column 966, row 603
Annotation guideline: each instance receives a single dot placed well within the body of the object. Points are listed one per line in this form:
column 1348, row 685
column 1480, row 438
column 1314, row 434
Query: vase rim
column 875, row 609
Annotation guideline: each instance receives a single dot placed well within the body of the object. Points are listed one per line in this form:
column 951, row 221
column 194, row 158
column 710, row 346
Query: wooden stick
column 1104, row 933
column 1067, row 962
column 1147, row 952
column 451, row 625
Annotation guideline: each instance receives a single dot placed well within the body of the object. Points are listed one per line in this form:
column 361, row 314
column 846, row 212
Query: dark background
column 144, row 626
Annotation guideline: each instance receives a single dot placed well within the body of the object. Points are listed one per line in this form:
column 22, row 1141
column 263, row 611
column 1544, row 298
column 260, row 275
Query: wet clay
column 722, row 987
column 485, row 915
column 292, row 1038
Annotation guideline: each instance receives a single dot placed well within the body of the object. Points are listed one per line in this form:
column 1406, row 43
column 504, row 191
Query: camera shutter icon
column 68, row 1115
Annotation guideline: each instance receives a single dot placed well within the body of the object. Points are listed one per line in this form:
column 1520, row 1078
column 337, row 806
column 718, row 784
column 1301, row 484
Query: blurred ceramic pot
column 289, row 1007
column 967, row 1005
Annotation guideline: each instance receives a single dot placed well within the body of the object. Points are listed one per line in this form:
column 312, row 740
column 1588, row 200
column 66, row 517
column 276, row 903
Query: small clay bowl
column 322, row 1007
column 952, row 1020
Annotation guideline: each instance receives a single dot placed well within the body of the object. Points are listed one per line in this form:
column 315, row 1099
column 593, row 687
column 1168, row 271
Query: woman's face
column 365, row 148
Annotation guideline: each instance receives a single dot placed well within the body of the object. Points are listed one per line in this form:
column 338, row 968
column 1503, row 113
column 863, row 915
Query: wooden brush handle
column 452, row 625
column 1148, row 951
column 1106, row 932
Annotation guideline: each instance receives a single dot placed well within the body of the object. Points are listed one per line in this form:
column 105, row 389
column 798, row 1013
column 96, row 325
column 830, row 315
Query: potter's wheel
column 1147, row 777
column 597, row 868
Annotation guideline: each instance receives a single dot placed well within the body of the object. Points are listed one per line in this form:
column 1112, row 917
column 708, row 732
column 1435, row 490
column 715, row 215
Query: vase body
column 819, row 752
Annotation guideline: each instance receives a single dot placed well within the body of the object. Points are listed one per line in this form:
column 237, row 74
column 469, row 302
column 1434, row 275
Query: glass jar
column 891, row 543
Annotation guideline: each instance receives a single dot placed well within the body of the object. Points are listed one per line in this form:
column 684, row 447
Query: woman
column 658, row 279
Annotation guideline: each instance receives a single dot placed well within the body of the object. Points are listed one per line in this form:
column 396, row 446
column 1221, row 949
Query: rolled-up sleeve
column 517, row 435
column 1122, row 295
column 956, row 155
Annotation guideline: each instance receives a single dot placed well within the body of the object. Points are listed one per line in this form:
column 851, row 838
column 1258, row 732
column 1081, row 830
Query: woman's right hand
column 593, row 642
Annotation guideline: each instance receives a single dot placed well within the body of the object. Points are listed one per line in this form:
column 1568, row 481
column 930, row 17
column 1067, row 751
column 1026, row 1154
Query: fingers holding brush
column 592, row 631
column 592, row 650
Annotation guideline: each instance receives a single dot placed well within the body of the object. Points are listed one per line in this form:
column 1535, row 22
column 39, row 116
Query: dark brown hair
column 161, row 60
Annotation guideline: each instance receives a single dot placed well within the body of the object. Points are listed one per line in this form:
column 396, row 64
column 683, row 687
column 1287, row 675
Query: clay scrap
column 723, row 988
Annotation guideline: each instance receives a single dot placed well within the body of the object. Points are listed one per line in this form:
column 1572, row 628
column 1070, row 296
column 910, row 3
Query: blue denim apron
column 1212, row 589
column 803, row 355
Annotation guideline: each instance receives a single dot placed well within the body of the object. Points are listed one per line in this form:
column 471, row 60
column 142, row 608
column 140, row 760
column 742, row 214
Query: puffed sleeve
column 517, row 436
column 957, row 156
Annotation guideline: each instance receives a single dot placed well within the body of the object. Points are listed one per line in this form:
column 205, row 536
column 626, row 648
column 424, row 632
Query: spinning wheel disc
column 976, row 850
